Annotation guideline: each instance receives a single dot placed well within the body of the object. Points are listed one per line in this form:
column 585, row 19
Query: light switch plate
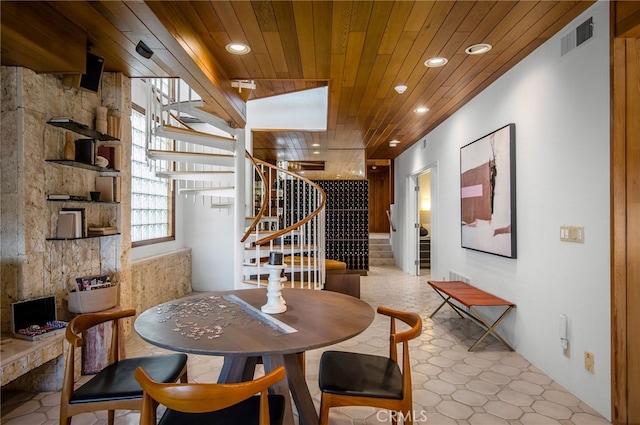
column 572, row 234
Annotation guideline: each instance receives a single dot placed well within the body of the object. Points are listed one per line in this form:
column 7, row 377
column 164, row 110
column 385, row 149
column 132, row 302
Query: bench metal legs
column 477, row 317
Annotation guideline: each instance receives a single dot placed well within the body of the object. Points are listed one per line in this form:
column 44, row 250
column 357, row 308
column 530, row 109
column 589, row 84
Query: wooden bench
column 470, row 297
column 333, row 265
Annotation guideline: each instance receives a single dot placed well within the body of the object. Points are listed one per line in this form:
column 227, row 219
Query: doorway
column 424, row 223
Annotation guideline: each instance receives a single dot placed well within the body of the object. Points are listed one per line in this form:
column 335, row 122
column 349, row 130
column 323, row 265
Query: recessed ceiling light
column 238, row 48
column 478, row 49
column 315, row 145
column 436, row 62
column 394, row 143
column 316, row 152
column 375, row 167
column 400, row 89
column 421, row 110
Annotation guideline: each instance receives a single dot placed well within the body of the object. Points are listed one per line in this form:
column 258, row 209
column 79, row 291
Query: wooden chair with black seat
column 115, row 386
column 355, row 379
column 213, row 404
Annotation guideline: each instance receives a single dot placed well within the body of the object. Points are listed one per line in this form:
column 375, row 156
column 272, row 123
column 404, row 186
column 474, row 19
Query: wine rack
column 347, row 226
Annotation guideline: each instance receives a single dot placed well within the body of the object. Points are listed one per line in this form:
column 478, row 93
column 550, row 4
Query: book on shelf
column 86, row 151
column 113, row 154
column 80, row 222
column 109, row 188
column 64, row 197
column 102, row 231
column 66, row 226
column 60, row 120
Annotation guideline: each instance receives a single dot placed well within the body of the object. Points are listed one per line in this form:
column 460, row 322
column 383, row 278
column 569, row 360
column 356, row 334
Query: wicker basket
column 92, row 301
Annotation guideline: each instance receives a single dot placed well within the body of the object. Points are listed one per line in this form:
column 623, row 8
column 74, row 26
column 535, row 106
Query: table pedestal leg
column 237, row 369
column 297, row 386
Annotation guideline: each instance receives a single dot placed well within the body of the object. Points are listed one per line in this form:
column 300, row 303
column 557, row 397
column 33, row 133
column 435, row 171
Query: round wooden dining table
column 231, row 324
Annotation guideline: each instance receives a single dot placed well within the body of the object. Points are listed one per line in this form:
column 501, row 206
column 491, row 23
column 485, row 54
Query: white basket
column 92, row 301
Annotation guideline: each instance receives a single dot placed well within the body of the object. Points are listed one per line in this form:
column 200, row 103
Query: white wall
column 208, row 231
column 560, row 106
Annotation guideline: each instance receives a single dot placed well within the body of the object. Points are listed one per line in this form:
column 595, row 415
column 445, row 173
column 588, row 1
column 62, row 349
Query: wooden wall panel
column 625, row 218
column 47, row 40
column 378, row 200
column 633, row 226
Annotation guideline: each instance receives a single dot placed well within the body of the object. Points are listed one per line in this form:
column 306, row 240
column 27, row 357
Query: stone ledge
column 21, row 356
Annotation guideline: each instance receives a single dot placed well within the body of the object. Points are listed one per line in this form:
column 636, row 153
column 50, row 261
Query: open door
column 423, row 236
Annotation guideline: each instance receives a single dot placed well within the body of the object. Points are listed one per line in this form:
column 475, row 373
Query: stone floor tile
column 536, row 378
column 494, row 378
column 440, row 359
column 483, row 387
column 515, row 398
column 466, row 369
column 453, row 377
column 486, row 419
column 27, row 419
column 561, row 397
column 537, row 419
column 478, row 362
column 423, row 398
column 526, row 387
column 470, row 398
column 552, row 410
column 454, row 409
column 29, row 406
column 505, row 370
column 588, row 419
column 503, row 410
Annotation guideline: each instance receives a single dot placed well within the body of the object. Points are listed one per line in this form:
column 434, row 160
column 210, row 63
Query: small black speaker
column 91, row 80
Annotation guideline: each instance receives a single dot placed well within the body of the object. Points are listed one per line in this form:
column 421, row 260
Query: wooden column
column 625, row 213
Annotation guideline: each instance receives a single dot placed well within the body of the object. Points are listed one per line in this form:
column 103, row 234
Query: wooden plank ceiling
column 360, row 49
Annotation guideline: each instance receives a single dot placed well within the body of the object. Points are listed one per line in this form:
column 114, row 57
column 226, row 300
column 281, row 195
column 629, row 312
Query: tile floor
column 490, row 386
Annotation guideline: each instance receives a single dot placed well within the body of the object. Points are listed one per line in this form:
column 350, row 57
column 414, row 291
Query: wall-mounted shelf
column 83, row 200
column 76, row 127
column 84, row 237
column 104, row 173
column 72, row 163
column 425, row 252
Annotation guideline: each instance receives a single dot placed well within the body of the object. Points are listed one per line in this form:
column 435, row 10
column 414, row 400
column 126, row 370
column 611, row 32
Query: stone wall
column 161, row 278
column 31, row 265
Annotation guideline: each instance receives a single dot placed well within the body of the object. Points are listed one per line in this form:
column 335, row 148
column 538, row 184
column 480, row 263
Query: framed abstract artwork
column 488, row 193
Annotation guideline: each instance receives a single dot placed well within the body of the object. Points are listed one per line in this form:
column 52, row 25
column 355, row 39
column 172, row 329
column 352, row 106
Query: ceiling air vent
column 582, row 33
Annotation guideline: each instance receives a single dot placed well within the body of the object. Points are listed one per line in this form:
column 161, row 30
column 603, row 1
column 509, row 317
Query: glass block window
column 151, row 197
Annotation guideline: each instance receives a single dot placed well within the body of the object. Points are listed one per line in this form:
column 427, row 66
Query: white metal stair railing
column 287, row 213
column 201, row 162
column 289, row 218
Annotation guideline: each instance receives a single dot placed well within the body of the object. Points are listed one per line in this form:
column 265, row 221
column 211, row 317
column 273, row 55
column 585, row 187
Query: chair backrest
column 203, row 397
column 414, row 321
column 74, row 335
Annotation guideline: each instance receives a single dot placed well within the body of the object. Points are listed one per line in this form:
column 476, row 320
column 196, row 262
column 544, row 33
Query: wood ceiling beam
column 186, row 53
column 35, row 36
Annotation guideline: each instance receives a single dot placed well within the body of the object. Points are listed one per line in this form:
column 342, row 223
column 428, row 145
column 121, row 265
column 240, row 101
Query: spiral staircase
column 284, row 212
